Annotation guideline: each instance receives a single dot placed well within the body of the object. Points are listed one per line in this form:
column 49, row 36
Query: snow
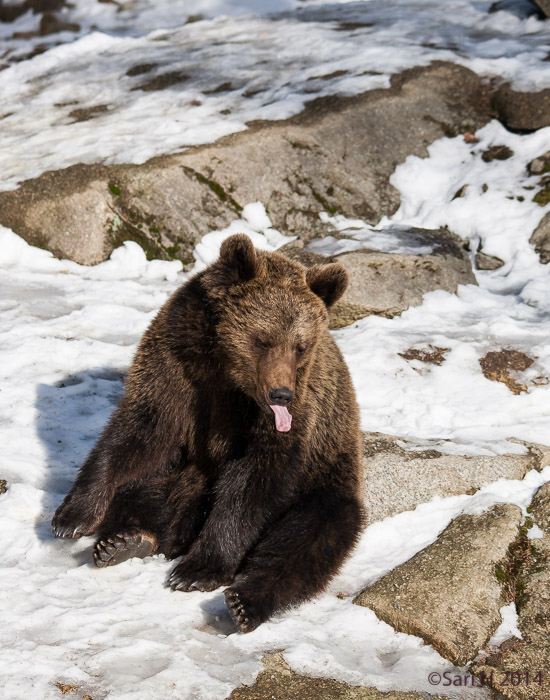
column 508, row 627
column 453, row 407
column 254, row 223
column 243, row 61
column 68, row 332
column 535, row 532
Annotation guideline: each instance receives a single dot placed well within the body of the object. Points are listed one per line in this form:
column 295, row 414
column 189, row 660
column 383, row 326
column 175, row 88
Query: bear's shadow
column 217, row 619
column 70, row 415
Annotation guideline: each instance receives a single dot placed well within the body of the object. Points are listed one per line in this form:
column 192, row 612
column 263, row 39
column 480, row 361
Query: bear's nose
column 281, row 396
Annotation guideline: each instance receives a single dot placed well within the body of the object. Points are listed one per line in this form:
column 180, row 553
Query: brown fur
column 192, row 455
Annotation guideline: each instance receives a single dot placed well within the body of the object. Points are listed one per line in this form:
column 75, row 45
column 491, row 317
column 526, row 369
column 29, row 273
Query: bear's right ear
column 239, row 258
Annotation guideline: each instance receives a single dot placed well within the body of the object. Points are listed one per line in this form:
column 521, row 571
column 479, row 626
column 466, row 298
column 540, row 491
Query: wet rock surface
column 519, row 670
column 391, row 462
column 449, row 594
column 336, row 156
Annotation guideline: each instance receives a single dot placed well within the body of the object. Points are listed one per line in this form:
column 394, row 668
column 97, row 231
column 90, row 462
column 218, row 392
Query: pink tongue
column 283, row 419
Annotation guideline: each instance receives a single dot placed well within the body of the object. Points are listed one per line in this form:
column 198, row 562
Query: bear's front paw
column 241, row 610
column 189, row 577
column 72, row 520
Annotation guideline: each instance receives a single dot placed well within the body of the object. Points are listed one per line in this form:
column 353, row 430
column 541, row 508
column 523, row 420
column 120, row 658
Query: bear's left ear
column 239, row 256
column 328, row 282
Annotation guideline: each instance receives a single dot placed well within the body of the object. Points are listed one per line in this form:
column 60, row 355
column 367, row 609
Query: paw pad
column 122, row 547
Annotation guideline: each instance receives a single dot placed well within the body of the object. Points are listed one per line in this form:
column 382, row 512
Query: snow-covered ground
column 82, row 99
column 67, row 335
column 68, row 332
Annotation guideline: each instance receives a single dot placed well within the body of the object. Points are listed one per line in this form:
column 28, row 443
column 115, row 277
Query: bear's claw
column 238, row 611
column 72, row 521
column 124, row 546
column 72, row 533
column 185, row 578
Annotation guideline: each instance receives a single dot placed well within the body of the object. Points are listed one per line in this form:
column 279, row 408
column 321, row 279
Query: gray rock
column 488, row 262
column 386, row 284
column 51, row 24
column 526, row 111
column 544, row 6
column 541, row 508
column 448, row 593
column 398, row 479
column 541, row 239
column 9, row 12
column 531, row 654
column 540, row 164
column 500, row 152
column 337, row 155
column 278, row 681
column 38, row 6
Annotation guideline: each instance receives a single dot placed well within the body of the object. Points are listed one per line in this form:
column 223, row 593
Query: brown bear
column 236, row 443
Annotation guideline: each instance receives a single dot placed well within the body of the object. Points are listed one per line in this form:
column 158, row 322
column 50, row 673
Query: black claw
column 238, row 612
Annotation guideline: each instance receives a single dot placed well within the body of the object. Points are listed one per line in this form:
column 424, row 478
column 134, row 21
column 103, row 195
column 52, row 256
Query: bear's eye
column 262, row 344
column 300, row 349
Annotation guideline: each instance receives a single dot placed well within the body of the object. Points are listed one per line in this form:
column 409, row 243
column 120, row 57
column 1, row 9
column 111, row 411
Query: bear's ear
column 239, row 256
column 328, row 282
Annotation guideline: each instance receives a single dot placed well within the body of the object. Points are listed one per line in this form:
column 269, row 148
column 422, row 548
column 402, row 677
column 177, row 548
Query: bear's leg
column 131, row 447
column 296, row 558
column 242, row 502
column 162, row 515
column 188, row 506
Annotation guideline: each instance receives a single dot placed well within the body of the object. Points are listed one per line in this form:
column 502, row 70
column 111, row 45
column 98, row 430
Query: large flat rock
column 278, row 682
column 399, row 477
column 448, row 594
column 336, row 156
column 388, row 283
column 521, row 670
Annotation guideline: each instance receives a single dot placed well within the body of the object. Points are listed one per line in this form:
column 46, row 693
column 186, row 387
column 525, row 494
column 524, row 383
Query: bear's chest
column 220, row 427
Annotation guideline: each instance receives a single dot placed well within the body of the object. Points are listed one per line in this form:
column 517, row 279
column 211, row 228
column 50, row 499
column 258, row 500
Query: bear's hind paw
column 124, row 546
column 238, row 611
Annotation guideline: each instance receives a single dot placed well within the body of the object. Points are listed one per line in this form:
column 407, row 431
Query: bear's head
column 270, row 314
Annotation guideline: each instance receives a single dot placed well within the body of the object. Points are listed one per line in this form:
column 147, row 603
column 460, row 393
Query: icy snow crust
column 67, row 335
column 76, row 103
